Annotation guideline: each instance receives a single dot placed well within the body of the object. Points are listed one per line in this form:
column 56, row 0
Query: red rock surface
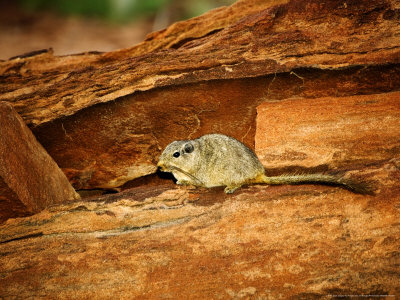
column 250, row 38
column 285, row 242
column 30, row 180
column 109, row 144
column 338, row 132
column 196, row 77
column 331, row 101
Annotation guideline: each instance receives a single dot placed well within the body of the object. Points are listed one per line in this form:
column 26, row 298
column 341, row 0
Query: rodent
column 218, row 160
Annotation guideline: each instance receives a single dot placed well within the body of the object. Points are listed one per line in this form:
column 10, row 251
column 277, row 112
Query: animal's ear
column 188, row 148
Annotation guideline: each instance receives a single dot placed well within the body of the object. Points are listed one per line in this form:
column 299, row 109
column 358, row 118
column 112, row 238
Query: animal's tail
column 356, row 187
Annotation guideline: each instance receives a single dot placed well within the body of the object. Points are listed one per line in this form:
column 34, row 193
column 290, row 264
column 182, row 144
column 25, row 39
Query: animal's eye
column 176, row 154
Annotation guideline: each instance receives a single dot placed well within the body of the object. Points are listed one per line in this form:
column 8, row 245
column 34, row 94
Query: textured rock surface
column 305, row 242
column 338, row 132
column 30, row 180
column 181, row 67
column 250, row 38
column 109, row 144
column 163, row 241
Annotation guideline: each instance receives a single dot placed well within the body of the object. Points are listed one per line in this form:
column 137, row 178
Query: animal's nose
column 160, row 166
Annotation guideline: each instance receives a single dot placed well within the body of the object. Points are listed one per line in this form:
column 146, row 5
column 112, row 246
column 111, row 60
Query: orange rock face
column 109, row 144
column 339, row 132
column 312, row 86
column 261, row 242
column 30, row 180
column 203, row 75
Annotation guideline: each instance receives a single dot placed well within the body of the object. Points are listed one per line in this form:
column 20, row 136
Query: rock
column 288, row 242
column 30, row 180
column 105, row 117
column 107, row 145
column 250, row 38
column 336, row 132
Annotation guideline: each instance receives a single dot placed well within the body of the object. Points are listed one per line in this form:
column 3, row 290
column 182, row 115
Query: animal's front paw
column 231, row 189
column 183, row 182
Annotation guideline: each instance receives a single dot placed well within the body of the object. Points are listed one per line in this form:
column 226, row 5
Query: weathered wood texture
column 172, row 81
column 30, row 180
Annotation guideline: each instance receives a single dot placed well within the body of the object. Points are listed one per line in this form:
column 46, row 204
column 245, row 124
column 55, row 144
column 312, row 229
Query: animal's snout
column 161, row 167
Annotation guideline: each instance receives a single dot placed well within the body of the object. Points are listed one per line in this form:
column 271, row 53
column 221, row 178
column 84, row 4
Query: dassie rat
column 219, row 160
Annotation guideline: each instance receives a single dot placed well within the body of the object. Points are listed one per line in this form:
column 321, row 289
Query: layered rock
column 181, row 67
column 322, row 104
column 288, row 242
column 335, row 132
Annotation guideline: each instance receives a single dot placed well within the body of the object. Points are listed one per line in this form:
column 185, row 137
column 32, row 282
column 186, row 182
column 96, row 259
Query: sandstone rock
column 281, row 242
column 106, row 145
column 250, row 38
column 163, row 241
column 29, row 178
column 207, row 74
column 338, row 132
